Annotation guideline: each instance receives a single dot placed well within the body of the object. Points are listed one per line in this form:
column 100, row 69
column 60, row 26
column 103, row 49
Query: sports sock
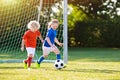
column 58, row 56
column 29, row 61
column 26, row 61
column 40, row 59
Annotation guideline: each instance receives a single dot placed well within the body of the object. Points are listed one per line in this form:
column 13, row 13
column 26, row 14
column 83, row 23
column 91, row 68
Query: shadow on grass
column 11, row 67
column 15, row 68
column 93, row 71
column 8, row 73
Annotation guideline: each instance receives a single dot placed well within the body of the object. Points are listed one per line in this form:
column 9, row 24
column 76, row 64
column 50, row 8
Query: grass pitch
column 84, row 64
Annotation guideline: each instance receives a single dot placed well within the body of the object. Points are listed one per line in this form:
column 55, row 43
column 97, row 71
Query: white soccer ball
column 59, row 64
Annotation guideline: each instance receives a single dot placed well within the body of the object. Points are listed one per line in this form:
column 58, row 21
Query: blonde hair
column 51, row 22
column 33, row 22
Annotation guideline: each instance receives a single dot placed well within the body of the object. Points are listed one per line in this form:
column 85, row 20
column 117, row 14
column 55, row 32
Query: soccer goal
column 14, row 17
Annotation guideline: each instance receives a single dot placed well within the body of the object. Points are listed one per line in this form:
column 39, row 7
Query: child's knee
column 56, row 51
column 45, row 55
column 31, row 55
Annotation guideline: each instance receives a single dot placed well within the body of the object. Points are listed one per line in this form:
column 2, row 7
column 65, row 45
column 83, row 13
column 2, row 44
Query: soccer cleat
column 29, row 68
column 25, row 64
column 38, row 65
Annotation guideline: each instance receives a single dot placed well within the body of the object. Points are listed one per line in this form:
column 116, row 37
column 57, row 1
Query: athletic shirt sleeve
column 38, row 33
column 49, row 33
column 25, row 35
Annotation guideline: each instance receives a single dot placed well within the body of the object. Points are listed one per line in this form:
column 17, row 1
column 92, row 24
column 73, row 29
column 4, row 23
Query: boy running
column 29, row 40
column 49, row 42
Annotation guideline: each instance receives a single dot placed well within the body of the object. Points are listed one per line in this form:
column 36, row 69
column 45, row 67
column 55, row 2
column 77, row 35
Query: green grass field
column 84, row 64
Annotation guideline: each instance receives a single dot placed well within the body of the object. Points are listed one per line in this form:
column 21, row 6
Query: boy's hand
column 42, row 41
column 61, row 44
column 22, row 48
column 53, row 46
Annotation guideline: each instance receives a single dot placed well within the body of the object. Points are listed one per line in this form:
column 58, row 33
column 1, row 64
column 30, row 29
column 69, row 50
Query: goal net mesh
column 14, row 17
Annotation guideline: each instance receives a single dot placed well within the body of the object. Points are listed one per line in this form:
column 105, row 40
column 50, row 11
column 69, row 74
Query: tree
column 75, row 15
column 102, row 26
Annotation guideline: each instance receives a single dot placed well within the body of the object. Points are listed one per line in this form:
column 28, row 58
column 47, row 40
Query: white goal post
column 65, row 33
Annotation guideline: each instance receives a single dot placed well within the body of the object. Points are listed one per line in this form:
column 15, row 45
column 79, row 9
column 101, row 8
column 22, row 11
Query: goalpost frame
column 39, row 9
column 65, row 33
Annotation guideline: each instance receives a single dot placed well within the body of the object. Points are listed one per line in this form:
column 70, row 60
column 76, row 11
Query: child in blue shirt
column 49, row 43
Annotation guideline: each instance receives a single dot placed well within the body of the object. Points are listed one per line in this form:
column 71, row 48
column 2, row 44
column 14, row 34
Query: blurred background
column 91, row 23
column 94, row 23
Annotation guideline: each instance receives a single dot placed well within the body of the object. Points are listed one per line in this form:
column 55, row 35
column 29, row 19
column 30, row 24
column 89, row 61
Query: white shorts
column 30, row 51
column 47, row 50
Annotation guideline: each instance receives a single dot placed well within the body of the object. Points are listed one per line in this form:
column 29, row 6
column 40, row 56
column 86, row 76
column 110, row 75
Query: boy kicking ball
column 29, row 40
column 49, row 42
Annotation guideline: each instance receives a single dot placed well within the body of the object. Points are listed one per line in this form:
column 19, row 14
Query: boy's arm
column 56, row 40
column 22, row 45
column 40, row 37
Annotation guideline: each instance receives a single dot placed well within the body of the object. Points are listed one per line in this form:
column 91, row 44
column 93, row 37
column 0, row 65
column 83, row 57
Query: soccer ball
column 59, row 64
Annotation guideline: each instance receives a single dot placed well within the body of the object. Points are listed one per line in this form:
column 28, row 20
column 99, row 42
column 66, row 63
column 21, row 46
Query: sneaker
column 29, row 68
column 38, row 65
column 25, row 64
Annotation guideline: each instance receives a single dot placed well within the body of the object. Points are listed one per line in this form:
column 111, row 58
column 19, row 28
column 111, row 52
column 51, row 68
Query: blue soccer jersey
column 51, row 34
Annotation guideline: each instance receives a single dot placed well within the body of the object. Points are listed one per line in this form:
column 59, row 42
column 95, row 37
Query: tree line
column 94, row 24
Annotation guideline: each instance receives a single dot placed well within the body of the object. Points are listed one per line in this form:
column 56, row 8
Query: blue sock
column 40, row 59
column 58, row 56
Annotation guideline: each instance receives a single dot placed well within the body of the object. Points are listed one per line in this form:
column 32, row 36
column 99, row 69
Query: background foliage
column 94, row 24
column 91, row 23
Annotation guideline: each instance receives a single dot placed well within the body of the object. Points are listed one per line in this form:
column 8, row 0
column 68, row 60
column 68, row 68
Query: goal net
column 14, row 17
